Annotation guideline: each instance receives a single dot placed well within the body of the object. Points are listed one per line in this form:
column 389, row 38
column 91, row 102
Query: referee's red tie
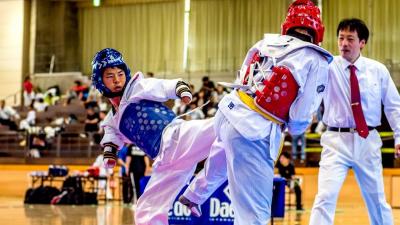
column 361, row 125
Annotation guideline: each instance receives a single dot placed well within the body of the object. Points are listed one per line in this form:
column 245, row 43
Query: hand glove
column 183, row 90
column 109, row 156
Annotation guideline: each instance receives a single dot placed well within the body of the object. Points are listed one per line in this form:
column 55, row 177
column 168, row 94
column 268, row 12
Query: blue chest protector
column 143, row 124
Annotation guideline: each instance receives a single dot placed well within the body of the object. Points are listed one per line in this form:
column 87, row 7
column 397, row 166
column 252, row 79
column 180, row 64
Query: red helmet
column 303, row 13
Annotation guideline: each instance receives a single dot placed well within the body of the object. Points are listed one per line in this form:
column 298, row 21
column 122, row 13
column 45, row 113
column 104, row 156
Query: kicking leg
column 207, row 181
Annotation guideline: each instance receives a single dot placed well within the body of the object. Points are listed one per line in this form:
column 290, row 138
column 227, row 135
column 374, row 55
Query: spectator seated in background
column 71, row 119
column 52, row 95
column 40, row 105
column 219, row 93
column 37, row 144
column 212, row 108
column 30, row 119
column 208, row 87
column 200, row 99
column 196, row 114
column 79, row 91
column 8, row 116
column 91, row 102
column 286, row 170
column 92, row 120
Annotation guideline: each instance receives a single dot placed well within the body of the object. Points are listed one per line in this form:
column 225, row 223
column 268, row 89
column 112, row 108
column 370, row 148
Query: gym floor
column 14, row 212
column 14, row 181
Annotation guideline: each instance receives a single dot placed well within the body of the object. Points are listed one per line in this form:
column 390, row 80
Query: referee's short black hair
column 354, row 24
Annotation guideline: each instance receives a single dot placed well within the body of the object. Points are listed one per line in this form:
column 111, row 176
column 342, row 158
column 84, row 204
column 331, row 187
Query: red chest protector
column 280, row 88
column 278, row 94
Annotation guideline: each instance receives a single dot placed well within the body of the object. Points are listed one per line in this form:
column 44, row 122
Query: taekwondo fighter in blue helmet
column 138, row 116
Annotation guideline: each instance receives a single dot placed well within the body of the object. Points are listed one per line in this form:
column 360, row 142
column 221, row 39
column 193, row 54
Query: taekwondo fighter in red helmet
column 281, row 84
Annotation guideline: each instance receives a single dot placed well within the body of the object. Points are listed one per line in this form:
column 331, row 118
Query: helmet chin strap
column 113, row 94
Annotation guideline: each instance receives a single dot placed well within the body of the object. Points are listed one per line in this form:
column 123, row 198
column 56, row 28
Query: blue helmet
column 103, row 59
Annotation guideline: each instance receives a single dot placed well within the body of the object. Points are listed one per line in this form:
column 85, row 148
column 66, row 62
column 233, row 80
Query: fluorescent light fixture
column 96, row 3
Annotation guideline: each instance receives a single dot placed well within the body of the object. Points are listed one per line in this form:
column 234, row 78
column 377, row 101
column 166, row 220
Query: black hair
column 286, row 154
column 354, row 24
column 304, row 37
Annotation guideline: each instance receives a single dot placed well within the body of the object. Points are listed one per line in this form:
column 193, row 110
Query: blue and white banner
column 217, row 210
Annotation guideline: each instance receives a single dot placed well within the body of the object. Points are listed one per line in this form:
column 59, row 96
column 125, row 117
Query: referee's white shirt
column 376, row 87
